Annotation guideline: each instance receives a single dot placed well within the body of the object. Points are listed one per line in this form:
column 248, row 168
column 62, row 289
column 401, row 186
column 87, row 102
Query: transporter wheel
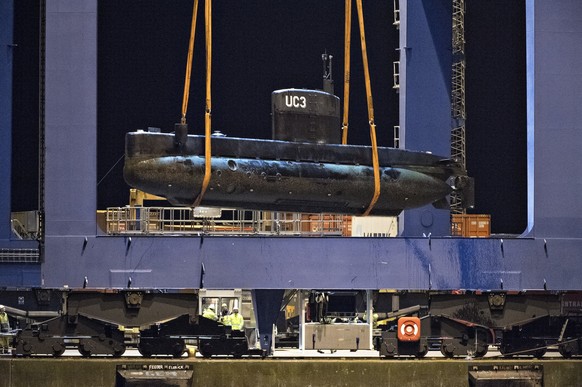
column 86, row 348
column 506, row 350
column 539, row 353
column 26, row 349
column 145, row 349
column 117, row 348
column 482, row 351
column 58, row 349
column 538, row 349
column 206, row 350
column 388, row 349
column 118, row 352
column 84, row 352
column 422, row 353
column 448, row 350
column 565, row 350
column 238, row 351
column 178, row 348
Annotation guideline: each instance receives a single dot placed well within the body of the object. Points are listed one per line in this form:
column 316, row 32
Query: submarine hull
column 285, row 176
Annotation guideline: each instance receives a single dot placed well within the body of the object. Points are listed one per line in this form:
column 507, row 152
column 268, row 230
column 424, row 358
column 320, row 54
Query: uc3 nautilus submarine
column 303, row 169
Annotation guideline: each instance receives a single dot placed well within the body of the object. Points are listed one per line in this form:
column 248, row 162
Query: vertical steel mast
column 458, row 112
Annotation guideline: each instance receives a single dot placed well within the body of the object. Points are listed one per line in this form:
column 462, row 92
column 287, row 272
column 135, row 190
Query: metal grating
column 19, row 256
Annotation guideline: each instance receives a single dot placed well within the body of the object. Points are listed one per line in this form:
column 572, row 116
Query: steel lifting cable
column 347, row 40
column 375, row 161
column 207, row 114
column 189, row 62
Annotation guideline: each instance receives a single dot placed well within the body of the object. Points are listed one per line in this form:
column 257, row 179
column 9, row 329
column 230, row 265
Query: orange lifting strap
column 347, row 39
column 375, row 161
column 208, row 110
column 189, row 63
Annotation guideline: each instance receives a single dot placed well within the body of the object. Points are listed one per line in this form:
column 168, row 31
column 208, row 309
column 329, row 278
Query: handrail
column 19, row 225
column 184, row 221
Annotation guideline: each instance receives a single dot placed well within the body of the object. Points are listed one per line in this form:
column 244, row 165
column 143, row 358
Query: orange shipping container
column 471, row 225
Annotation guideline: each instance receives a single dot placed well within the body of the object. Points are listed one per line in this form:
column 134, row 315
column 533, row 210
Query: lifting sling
column 189, row 62
column 375, row 161
column 208, row 109
column 347, row 39
column 207, row 113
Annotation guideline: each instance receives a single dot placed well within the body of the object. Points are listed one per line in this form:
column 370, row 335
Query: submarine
column 304, row 168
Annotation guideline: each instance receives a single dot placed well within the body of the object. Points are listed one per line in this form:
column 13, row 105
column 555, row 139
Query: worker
column 209, row 313
column 374, row 318
column 4, row 329
column 236, row 320
column 224, row 314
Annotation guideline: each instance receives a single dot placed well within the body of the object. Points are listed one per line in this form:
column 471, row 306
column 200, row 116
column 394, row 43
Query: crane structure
column 458, row 111
column 547, row 255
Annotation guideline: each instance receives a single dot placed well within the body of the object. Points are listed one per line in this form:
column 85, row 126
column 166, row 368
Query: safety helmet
column 211, row 306
column 2, row 308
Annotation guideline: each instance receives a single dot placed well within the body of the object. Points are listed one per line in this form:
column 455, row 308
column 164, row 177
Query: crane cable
column 347, row 39
column 375, row 161
column 208, row 111
column 189, row 63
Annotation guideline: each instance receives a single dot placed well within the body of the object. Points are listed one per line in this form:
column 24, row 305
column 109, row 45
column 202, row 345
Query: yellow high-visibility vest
column 237, row 321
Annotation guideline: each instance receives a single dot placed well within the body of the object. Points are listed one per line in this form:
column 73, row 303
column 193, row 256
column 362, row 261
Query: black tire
column 422, row 353
column 178, row 348
column 117, row 348
column 86, row 348
column 483, row 351
column 84, row 352
column 118, row 352
column 145, row 349
column 206, row 350
column 446, row 352
column 58, row 349
column 540, row 352
column 237, row 351
column 505, row 350
column 565, row 351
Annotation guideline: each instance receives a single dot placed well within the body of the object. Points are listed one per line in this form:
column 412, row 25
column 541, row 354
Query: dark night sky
column 261, row 46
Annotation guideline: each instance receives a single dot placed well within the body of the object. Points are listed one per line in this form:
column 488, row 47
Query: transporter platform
column 343, row 368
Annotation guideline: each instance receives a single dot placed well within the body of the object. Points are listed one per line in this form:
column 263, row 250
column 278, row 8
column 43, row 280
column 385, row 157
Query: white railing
column 25, row 224
column 396, row 74
column 187, row 221
column 396, row 13
column 18, row 229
